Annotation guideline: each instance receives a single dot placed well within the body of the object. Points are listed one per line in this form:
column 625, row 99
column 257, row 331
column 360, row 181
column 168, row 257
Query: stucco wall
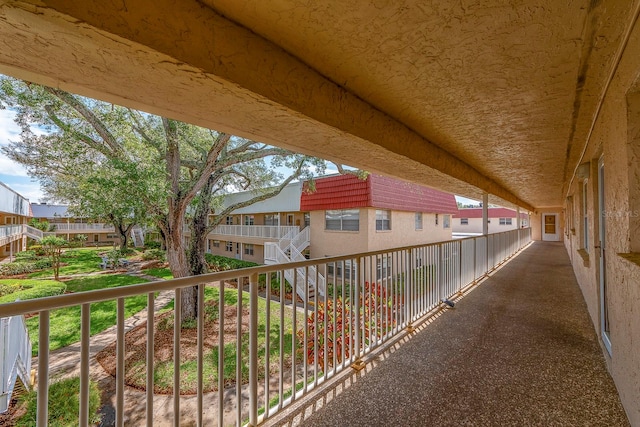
column 402, row 233
column 536, row 222
column 613, row 139
column 475, row 225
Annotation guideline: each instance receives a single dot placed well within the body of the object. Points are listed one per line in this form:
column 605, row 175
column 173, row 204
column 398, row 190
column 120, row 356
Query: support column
column 485, row 214
column 518, row 218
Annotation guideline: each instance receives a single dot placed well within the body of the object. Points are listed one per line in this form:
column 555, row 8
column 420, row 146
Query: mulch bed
column 136, row 347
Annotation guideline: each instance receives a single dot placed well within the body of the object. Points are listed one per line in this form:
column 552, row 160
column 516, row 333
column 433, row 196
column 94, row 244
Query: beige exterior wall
column 403, row 233
column 258, row 250
column 615, row 139
column 536, row 222
column 475, row 225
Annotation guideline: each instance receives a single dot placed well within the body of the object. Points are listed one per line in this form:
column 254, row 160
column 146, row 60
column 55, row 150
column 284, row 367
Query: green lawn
column 79, row 261
column 163, row 273
column 24, row 289
column 163, row 376
column 65, row 322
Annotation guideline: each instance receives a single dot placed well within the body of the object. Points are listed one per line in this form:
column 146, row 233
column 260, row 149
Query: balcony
column 10, row 233
column 518, row 348
column 262, row 232
column 63, row 228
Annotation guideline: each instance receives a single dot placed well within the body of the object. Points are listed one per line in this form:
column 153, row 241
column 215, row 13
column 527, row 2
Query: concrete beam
column 192, row 64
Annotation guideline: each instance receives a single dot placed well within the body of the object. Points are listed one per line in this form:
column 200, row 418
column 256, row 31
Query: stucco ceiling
column 472, row 96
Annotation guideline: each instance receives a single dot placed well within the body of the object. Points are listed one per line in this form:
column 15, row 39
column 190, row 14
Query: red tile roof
column 348, row 191
column 493, row 213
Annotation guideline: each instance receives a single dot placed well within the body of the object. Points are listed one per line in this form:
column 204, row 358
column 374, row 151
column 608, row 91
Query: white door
column 550, row 227
column 604, row 303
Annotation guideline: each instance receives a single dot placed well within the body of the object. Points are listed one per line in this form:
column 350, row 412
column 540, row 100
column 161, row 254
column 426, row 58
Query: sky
column 11, row 173
column 15, row 176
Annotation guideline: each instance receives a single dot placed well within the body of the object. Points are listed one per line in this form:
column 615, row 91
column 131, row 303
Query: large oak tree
column 122, row 165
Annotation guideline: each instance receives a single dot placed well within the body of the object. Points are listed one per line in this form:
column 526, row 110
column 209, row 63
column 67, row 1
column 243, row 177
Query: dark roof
column 376, row 191
column 49, row 211
column 493, row 213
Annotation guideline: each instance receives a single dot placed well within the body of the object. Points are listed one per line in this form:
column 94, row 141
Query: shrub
column 24, row 289
column 26, row 256
column 64, row 404
column 152, row 244
column 38, row 249
column 376, row 314
column 24, row 267
column 221, row 263
column 150, row 254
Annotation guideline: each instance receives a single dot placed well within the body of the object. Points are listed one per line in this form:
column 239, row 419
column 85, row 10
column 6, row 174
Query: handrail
column 273, row 232
column 378, row 295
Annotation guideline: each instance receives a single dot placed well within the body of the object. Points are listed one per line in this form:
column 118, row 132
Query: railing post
column 408, row 285
column 42, row 417
column 253, row 350
column 358, row 364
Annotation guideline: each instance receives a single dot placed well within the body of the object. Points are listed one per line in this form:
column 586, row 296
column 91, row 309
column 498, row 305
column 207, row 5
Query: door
column 550, row 227
column 289, row 219
column 604, row 302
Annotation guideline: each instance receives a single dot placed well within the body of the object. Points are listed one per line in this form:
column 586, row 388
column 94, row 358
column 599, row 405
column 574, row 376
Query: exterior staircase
column 137, row 234
column 289, row 249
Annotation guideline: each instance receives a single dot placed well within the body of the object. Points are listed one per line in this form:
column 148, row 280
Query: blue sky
column 15, row 176
column 12, row 173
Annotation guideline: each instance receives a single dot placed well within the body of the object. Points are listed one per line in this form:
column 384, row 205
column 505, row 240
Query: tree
column 52, row 246
column 166, row 166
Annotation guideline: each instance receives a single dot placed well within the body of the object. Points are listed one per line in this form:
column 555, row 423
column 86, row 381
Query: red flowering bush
column 376, row 317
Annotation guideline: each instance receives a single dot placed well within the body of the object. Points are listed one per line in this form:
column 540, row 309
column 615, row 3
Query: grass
column 163, row 375
column 163, row 273
column 65, row 322
column 24, row 289
column 79, row 261
column 63, row 404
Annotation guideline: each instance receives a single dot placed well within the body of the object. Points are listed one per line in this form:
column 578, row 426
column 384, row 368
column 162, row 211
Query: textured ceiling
column 495, row 96
column 495, row 83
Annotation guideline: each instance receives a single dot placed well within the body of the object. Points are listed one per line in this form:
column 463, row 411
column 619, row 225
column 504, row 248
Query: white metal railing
column 137, row 234
column 88, row 227
column 272, row 232
column 33, row 232
column 370, row 298
column 301, row 240
column 10, row 233
column 15, row 357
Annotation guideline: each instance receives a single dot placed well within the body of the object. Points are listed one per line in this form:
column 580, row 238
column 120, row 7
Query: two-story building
column 468, row 221
column 68, row 226
column 14, row 214
column 345, row 214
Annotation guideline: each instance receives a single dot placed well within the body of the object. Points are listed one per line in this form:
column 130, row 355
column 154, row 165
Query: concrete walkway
column 518, row 350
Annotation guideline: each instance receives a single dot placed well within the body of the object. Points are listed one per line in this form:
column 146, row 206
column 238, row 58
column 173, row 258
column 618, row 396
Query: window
column 229, row 247
column 383, row 220
column 342, row 220
column 464, row 221
column 216, row 243
column 436, row 219
column 248, row 249
column 418, row 220
column 96, row 238
column 446, row 221
column 342, row 269
column 271, row 219
column 307, row 219
column 383, row 267
column 249, row 220
column 229, row 220
column 585, row 216
column 505, row 221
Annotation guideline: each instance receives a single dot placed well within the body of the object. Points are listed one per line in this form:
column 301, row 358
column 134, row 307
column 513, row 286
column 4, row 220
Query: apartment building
column 468, row 221
column 68, row 226
column 14, row 214
column 345, row 214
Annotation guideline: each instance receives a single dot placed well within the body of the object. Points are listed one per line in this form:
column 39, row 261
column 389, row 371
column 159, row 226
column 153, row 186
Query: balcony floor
column 519, row 350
